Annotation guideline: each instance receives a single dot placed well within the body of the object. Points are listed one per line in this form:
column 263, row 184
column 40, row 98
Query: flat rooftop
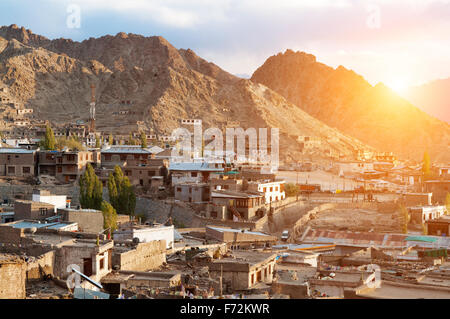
column 246, row 257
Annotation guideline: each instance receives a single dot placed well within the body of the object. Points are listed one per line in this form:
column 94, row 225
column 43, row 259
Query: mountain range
column 344, row 100
column 147, row 83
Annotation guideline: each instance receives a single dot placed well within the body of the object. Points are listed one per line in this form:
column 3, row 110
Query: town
column 91, row 215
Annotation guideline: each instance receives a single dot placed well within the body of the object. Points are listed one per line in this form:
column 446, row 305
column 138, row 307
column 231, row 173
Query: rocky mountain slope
column 147, row 80
column 344, row 100
column 432, row 97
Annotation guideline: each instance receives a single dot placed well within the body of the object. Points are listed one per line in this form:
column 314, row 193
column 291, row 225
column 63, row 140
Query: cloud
column 239, row 35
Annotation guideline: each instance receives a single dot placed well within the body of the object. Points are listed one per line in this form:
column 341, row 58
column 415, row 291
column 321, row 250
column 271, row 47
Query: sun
column 398, row 85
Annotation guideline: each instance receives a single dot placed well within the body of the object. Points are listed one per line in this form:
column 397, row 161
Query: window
column 26, row 170
column 151, row 173
column 59, row 169
column 178, row 189
column 123, row 157
column 11, row 170
column 102, row 263
column 193, row 174
column 107, row 157
column 43, row 211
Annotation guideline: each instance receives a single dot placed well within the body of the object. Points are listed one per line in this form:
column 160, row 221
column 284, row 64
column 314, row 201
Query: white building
column 273, row 191
column 43, row 196
column 146, row 234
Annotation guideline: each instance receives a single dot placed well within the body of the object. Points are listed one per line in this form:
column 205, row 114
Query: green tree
column 131, row 140
column 110, row 139
column 98, row 142
column 109, row 216
column 91, row 189
column 426, row 166
column 291, row 190
column 403, row 218
column 121, row 193
column 49, row 142
column 143, row 140
column 71, row 143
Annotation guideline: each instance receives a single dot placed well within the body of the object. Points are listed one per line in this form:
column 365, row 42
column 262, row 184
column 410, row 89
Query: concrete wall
column 89, row 222
column 144, row 257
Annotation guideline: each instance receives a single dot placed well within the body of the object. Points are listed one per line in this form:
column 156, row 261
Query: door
column 87, row 266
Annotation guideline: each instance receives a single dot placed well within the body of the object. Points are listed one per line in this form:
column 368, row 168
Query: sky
column 398, row 42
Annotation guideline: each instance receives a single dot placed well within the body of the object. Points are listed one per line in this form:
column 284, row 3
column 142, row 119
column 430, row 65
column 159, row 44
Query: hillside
column 146, row 83
column 344, row 100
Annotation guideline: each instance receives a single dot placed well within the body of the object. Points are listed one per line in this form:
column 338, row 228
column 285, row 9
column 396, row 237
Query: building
column 226, row 182
column 245, row 270
column 240, row 238
column 27, row 209
column 88, row 220
column 421, row 214
column 143, row 174
column 124, row 155
column 354, row 167
column 44, row 196
column 139, row 257
column 439, row 188
column 146, row 234
column 35, row 224
column 17, row 162
column 439, row 227
column 70, row 165
column 192, row 172
column 193, row 192
column 273, row 190
column 417, row 199
column 66, row 166
column 239, row 205
column 94, row 258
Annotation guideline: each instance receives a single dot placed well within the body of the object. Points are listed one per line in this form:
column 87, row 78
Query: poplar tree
column 143, row 140
column 121, row 193
column 109, row 216
column 49, row 139
column 91, row 189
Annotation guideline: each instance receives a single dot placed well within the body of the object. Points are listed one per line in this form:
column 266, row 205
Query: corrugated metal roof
column 232, row 230
column 193, row 167
column 5, row 150
column 373, row 239
column 127, row 149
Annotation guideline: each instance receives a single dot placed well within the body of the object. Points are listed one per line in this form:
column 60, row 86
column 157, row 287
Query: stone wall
column 143, row 257
column 12, row 279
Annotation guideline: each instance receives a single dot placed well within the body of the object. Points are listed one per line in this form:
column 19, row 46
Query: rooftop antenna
column 92, row 110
